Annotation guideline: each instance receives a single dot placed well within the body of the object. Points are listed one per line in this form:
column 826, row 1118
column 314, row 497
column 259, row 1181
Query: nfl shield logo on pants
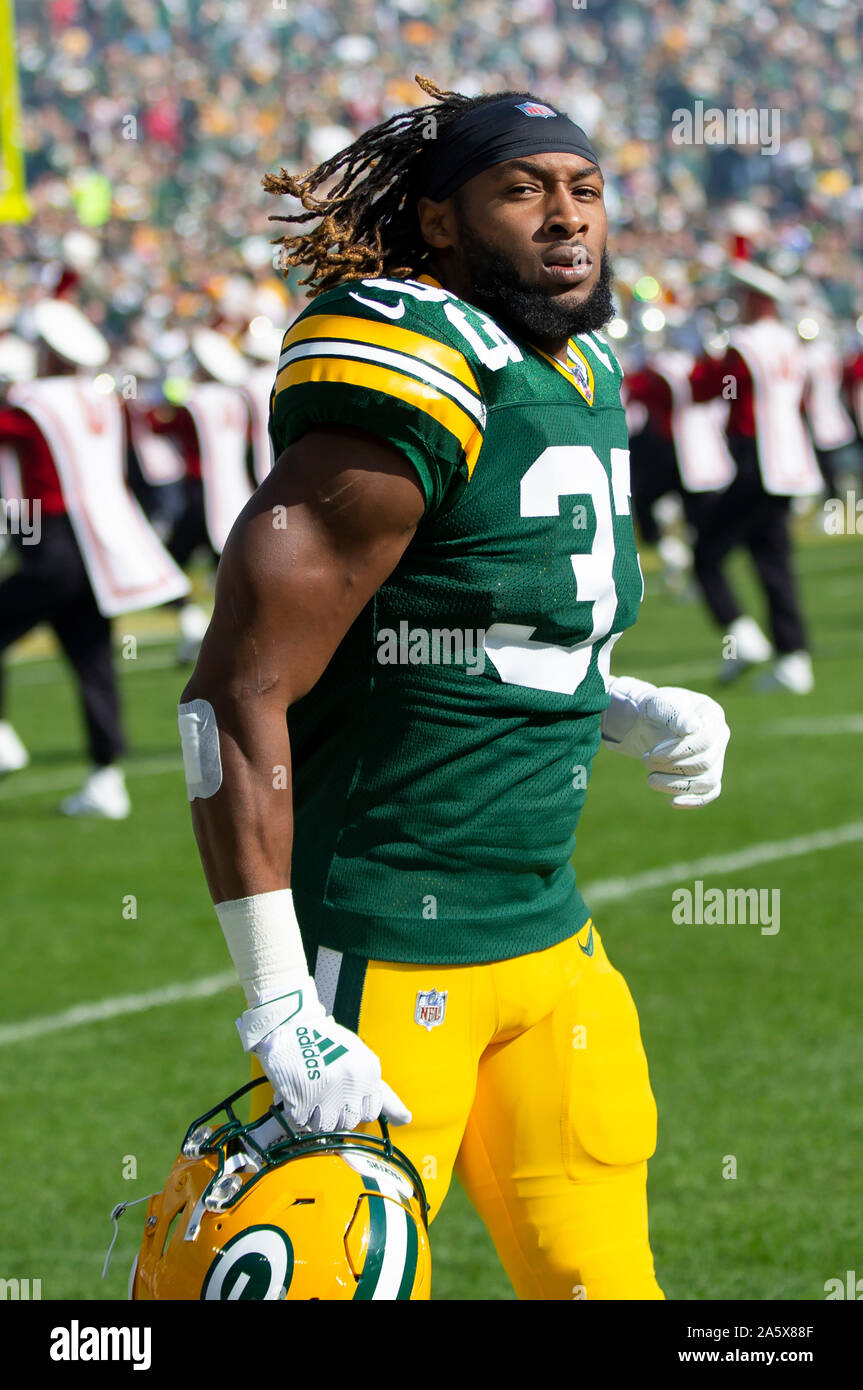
column 431, row 1007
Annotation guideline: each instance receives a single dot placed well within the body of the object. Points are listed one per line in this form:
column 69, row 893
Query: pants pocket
column 609, row 1109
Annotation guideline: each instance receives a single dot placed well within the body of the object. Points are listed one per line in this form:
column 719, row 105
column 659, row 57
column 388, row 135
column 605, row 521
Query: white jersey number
column 494, row 355
column 565, row 470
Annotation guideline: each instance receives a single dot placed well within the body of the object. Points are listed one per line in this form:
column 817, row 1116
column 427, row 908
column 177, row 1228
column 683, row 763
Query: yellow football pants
column 534, row 1088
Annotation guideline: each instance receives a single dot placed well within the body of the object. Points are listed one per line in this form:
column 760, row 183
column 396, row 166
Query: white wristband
column 263, row 937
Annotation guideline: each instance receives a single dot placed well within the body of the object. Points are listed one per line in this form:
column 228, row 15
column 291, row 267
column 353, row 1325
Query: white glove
column 323, row 1074
column 679, row 735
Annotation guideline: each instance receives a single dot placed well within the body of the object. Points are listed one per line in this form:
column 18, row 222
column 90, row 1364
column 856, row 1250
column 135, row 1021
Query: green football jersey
column 441, row 761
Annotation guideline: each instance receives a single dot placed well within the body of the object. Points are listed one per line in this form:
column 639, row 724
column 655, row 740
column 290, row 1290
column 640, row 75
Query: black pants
column 745, row 515
column 834, row 462
column 653, row 473
column 51, row 586
column 189, row 531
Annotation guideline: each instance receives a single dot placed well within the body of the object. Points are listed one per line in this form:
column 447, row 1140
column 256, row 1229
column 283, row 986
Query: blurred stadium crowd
column 147, row 125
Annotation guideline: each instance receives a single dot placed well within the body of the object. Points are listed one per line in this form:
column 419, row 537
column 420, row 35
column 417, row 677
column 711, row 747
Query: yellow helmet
column 257, row 1211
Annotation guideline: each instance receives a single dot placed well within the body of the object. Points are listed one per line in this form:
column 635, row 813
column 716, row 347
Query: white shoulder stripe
column 399, row 361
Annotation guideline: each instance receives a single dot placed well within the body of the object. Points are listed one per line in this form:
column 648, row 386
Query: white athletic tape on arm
column 263, row 937
column 199, row 739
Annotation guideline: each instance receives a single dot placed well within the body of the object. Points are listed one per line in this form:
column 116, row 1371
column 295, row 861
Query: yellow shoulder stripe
column 383, row 335
column 354, row 372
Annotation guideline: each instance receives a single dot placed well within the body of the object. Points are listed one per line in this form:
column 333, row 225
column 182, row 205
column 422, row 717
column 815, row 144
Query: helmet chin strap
column 115, row 1217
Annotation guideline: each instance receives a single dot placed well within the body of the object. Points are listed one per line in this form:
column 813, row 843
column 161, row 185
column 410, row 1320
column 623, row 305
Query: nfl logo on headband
column 535, row 108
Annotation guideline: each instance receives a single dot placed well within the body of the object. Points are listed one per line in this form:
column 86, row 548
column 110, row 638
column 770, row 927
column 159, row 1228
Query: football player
column 390, row 729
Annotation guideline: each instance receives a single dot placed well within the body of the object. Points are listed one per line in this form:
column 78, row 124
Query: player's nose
column 565, row 213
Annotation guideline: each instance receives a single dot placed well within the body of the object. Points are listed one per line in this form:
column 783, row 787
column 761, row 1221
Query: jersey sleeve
column 383, row 362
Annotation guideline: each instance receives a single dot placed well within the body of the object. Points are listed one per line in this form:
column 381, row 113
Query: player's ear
column 437, row 223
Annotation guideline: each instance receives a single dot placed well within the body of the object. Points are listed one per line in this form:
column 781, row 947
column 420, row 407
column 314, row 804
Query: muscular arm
column 290, row 583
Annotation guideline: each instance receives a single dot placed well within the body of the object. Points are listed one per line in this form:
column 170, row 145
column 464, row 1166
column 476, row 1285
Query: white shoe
column 750, row 648
column 676, row 557
column 13, row 754
column 103, row 794
column 193, row 624
column 793, row 672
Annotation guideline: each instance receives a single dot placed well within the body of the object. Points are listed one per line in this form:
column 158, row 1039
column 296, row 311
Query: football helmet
column 257, row 1211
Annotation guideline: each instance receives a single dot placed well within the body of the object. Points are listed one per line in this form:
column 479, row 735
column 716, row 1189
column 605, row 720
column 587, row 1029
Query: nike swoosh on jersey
column 392, row 311
column 588, row 949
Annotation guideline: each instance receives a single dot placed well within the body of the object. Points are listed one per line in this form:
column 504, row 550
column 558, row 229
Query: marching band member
column 96, row 556
column 830, row 425
column 681, row 451
column 263, row 342
column 762, row 375
column 211, row 431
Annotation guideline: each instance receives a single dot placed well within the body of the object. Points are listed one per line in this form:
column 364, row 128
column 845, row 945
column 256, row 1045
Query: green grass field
column 754, row 1040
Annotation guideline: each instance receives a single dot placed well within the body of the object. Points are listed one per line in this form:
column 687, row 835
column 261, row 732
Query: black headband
column 490, row 134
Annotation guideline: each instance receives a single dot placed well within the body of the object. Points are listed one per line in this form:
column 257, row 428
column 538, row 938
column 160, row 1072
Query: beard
column 530, row 312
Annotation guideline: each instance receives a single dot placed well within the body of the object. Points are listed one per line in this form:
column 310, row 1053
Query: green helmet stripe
column 349, row 992
column 410, row 1269
column 368, row 1280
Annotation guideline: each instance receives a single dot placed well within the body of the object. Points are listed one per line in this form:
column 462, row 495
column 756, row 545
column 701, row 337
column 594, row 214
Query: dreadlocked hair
column 368, row 222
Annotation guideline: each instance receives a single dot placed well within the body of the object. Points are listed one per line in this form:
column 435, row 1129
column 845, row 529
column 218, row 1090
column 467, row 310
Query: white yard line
column 603, row 891
column 24, row 783
column 613, row 889
column 811, row 561
column 48, row 670
column 29, row 784
column 671, row 672
column 825, row 724
column 843, row 588
column 18, row 655
column 81, row 1014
